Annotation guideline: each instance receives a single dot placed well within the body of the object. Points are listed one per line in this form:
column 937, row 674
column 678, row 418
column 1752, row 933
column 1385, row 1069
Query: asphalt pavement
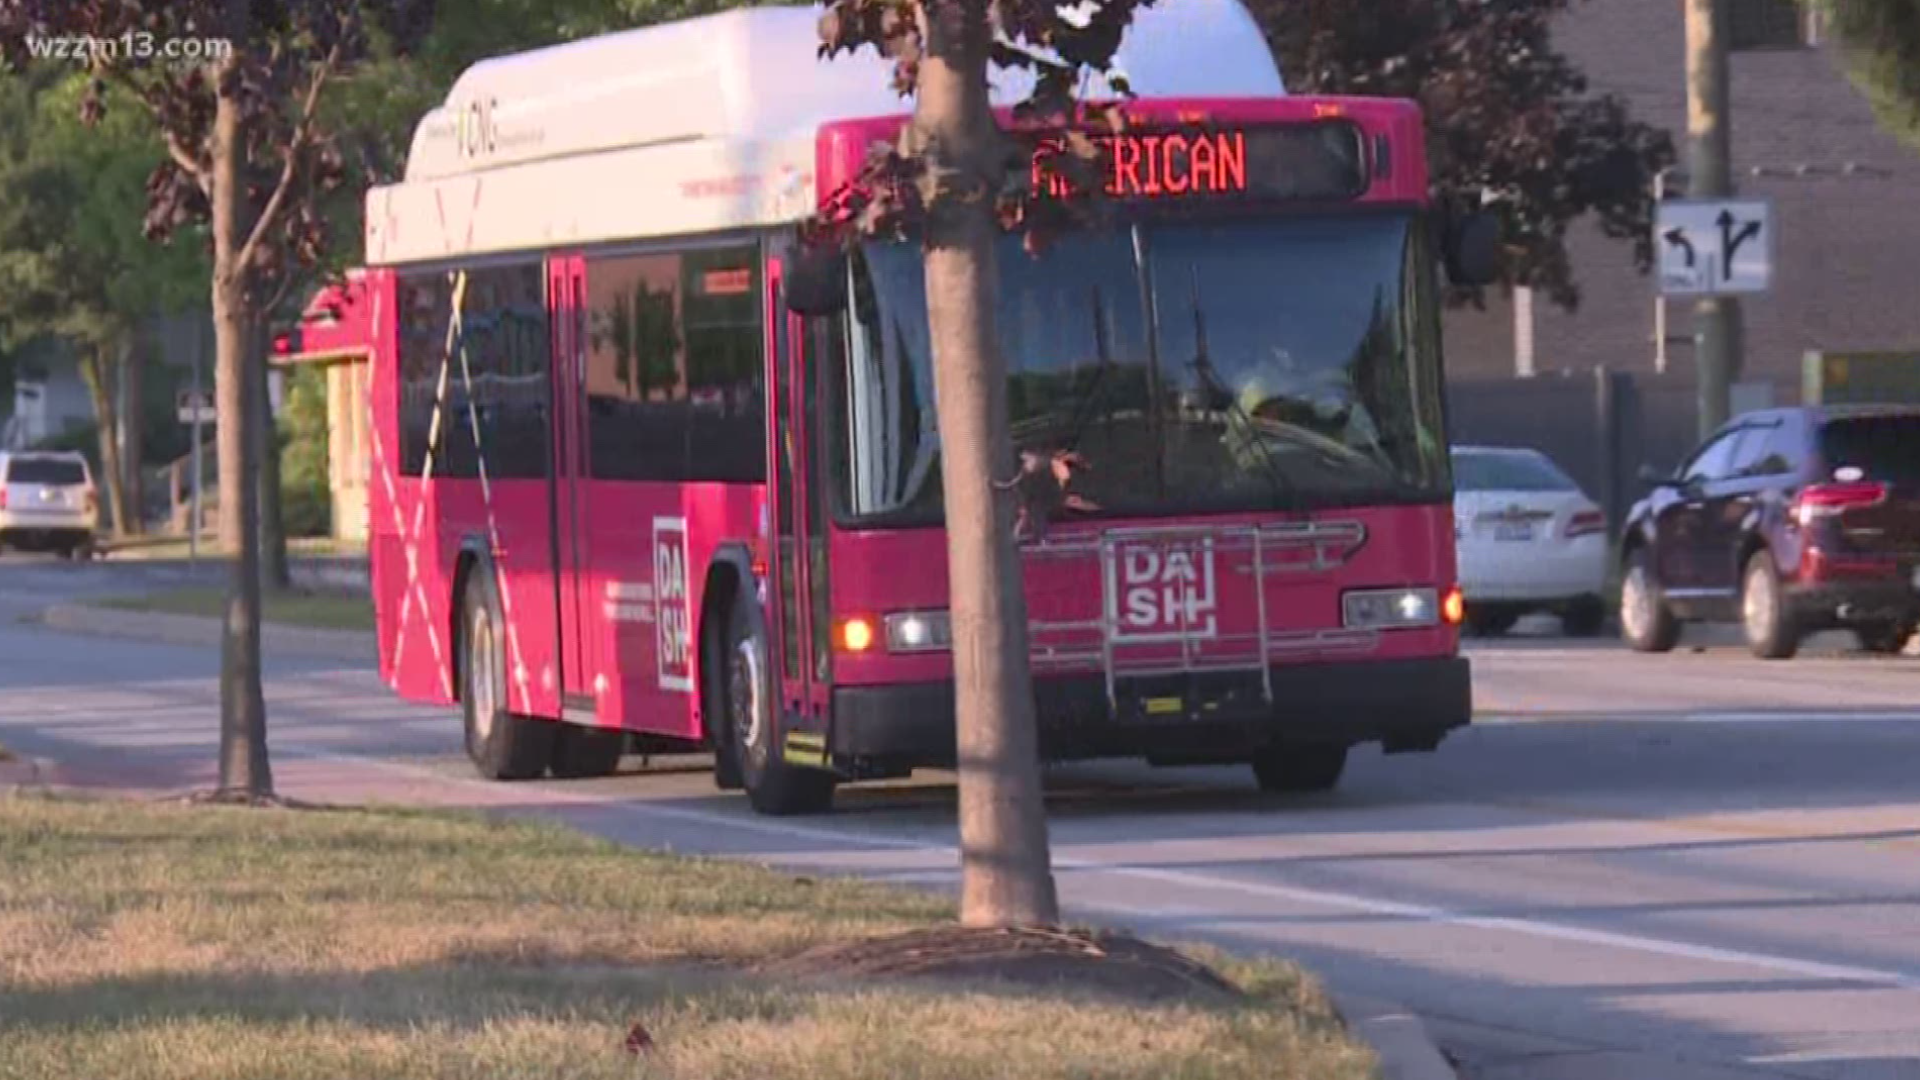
column 1680, row 867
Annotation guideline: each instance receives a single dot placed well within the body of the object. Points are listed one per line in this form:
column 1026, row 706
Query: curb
column 1398, row 1038
column 348, row 574
column 166, row 629
column 23, row 774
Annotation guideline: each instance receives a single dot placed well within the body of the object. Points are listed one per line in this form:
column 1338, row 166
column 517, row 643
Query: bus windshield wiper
column 1150, row 306
column 1216, row 389
column 1084, row 412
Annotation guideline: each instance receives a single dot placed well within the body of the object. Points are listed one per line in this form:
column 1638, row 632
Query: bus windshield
column 1195, row 366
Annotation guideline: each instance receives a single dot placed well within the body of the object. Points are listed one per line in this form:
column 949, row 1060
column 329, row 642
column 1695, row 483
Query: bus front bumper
column 1405, row 705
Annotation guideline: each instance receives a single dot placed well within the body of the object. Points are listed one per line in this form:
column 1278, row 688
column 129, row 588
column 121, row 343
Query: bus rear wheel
column 753, row 725
column 502, row 746
column 1299, row 767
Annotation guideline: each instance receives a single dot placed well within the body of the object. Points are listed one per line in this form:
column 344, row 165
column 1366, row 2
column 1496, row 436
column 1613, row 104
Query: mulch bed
column 1099, row 961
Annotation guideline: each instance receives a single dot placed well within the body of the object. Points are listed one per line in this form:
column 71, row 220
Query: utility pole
column 1718, row 343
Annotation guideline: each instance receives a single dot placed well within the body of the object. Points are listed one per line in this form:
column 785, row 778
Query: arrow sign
column 1714, row 247
column 1730, row 241
column 1678, row 238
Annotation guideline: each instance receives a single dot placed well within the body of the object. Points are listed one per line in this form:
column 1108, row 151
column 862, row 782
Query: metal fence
column 1602, row 427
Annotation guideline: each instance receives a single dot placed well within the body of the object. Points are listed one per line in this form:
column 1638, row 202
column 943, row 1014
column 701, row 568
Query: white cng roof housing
column 705, row 125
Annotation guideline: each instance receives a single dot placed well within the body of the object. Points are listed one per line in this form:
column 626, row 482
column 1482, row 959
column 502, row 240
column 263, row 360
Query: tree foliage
column 1507, row 115
column 73, row 262
column 1881, row 41
column 304, row 485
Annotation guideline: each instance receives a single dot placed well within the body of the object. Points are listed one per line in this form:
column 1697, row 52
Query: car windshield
column 1478, row 471
column 1883, row 447
column 1199, row 366
column 52, row 471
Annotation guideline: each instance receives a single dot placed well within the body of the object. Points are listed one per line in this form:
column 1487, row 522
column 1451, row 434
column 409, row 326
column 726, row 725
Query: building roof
column 754, row 74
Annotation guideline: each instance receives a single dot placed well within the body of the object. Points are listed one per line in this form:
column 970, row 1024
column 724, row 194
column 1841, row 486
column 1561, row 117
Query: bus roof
column 705, row 125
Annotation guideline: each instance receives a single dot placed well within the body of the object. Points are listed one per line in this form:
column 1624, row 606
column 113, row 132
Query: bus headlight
column 919, row 631
column 1390, row 609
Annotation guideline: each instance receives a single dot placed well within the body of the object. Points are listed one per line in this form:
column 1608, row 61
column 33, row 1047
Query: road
column 1642, row 868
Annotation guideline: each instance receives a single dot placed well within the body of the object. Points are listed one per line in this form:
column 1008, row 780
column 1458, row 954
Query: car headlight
column 1388, row 609
column 919, row 631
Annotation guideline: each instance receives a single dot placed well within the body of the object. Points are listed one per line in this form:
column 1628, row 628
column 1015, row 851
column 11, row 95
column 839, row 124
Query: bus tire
column 753, row 724
column 583, row 753
column 1300, row 767
column 502, row 746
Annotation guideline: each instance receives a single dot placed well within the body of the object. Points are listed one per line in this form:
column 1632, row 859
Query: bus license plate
column 1513, row 532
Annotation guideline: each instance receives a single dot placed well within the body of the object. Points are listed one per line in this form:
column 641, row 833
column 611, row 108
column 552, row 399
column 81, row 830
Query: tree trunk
column 276, row 576
column 1006, row 873
column 243, row 712
column 133, row 430
column 97, row 372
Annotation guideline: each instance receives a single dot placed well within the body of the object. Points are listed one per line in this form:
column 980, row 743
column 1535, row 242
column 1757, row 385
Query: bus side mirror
column 1472, row 248
column 817, row 282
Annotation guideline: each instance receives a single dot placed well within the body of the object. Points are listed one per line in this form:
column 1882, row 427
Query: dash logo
column 1165, row 592
column 673, row 627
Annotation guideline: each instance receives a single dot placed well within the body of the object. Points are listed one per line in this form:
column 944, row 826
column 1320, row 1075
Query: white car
column 1529, row 540
column 48, row 503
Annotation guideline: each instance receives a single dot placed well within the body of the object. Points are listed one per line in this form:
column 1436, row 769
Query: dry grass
column 165, row 941
column 325, row 611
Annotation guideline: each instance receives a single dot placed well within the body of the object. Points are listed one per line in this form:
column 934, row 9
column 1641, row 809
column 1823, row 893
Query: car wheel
column 754, row 729
column 1646, row 623
column 1763, row 611
column 1299, row 767
column 1885, row 637
column 1585, row 617
column 503, row 746
column 581, row 752
column 1490, row 623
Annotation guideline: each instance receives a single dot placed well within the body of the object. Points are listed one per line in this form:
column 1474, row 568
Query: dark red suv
column 1786, row 521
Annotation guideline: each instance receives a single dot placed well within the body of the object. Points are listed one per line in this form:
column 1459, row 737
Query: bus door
column 579, row 662
column 798, row 565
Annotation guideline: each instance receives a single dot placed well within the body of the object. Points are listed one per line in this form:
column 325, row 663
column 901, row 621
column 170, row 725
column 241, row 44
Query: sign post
column 195, row 408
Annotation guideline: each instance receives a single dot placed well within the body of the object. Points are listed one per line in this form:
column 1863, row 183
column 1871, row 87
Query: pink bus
column 649, row 475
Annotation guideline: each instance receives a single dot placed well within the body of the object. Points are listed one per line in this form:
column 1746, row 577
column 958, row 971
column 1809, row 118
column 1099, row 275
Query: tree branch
column 302, row 131
column 201, row 175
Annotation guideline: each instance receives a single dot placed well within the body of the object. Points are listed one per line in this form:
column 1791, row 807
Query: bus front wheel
column 754, row 727
column 503, row 746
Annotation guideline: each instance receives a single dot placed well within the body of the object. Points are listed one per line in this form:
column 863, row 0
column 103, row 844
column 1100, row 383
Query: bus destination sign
column 1319, row 160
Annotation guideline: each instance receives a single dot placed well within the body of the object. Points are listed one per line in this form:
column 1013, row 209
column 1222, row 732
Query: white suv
column 48, row 503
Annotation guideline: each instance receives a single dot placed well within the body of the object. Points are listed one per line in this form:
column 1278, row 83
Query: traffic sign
column 184, row 406
column 1713, row 247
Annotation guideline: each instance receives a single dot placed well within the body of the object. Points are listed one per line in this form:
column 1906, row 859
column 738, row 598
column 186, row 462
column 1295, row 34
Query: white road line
column 1785, row 965
column 1792, row 717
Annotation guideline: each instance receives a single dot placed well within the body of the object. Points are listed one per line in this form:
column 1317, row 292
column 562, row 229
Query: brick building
column 1846, row 205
